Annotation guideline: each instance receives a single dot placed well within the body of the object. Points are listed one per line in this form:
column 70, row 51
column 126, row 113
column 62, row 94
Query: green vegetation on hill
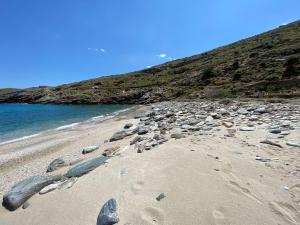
column 266, row 65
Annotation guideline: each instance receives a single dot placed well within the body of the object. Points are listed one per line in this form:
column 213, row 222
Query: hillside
column 265, row 65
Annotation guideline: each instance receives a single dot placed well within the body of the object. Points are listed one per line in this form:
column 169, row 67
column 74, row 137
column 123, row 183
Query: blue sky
column 52, row 42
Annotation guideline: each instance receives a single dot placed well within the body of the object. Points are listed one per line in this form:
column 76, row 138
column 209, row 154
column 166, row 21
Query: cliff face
column 266, row 65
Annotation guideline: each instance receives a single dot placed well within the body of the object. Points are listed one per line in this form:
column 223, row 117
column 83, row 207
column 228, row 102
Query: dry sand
column 207, row 180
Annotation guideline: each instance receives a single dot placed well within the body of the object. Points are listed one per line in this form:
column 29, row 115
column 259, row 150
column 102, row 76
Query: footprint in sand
column 235, row 182
column 295, row 193
column 137, row 187
column 153, row 216
column 219, row 216
column 285, row 211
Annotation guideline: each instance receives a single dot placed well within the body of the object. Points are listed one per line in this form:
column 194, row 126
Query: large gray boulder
column 122, row 134
column 23, row 190
column 108, row 214
column 86, row 167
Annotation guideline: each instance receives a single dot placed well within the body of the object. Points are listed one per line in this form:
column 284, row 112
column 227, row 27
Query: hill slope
column 264, row 65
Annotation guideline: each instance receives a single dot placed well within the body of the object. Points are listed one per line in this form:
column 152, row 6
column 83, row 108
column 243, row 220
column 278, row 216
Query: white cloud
column 149, row 66
column 162, row 55
column 102, row 50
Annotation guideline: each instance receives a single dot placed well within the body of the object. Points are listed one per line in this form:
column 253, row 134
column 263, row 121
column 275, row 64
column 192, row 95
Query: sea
column 20, row 121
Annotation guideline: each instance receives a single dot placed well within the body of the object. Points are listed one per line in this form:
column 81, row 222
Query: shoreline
column 211, row 167
column 66, row 126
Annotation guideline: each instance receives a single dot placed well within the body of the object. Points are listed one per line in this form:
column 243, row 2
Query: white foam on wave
column 68, row 126
column 20, row 139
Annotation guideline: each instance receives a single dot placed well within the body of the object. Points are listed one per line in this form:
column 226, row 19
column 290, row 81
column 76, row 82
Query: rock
column 215, row 115
column 227, row 124
column 122, row 134
column 261, row 110
column 209, row 119
column 160, row 196
column 224, row 112
column 242, row 111
column 111, row 151
column 275, row 131
column 49, row 188
column 25, row 205
column 56, row 164
column 258, row 158
column 142, row 130
column 76, row 161
column 136, row 139
column 293, row 144
column 271, row 143
column 247, row 128
column 108, row 214
column 128, row 125
column 86, row 167
column 177, row 135
column 285, row 132
column 67, row 183
column 141, row 148
column 23, row 190
column 89, row 149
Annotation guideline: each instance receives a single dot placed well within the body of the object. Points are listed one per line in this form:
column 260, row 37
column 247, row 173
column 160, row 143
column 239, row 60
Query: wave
column 69, row 126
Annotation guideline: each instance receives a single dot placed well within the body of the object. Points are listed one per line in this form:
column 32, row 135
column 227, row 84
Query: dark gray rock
column 86, row 167
column 108, row 214
column 23, row 190
column 275, row 131
column 160, row 196
column 142, row 130
column 122, row 134
column 56, row 164
column 128, row 125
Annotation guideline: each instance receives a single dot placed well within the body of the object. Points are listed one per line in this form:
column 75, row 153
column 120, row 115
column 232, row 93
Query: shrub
column 237, row 75
column 271, row 77
column 235, row 65
column 207, row 73
column 290, row 67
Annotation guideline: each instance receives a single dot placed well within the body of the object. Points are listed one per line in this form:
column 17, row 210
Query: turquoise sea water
column 19, row 120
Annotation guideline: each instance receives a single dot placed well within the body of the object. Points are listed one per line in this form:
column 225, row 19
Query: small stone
column 247, row 128
column 177, row 135
column 108, row 214
column 25, row 205
column 275, row 131
column 271, row 143
column 293, row 144
column 128, row 125
column 227, row 124
column 56, row 164
column 49, row 188
column 242, row 111
column 160, row 196
column 136, row 139
column 111, row 151
column 89, row 149
column 68, row 183
column 261, row 110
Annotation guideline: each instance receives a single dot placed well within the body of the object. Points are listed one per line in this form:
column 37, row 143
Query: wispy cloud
column 149, row 66
column 97, row 50
column 162, row 55
column 165, row 56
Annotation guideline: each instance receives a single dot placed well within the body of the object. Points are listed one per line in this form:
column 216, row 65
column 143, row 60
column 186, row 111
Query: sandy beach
column 217, row 176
